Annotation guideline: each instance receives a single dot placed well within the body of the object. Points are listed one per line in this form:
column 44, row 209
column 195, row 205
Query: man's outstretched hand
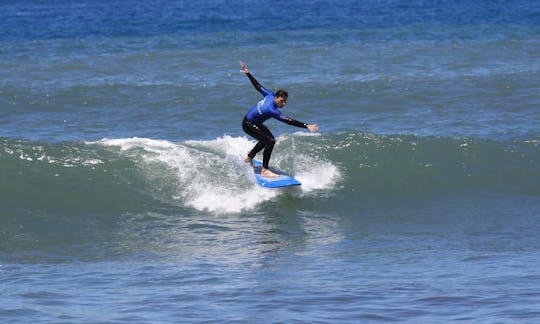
column 312, row 127
column 244, row 68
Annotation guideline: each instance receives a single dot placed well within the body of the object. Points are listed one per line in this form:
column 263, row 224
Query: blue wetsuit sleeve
column 265, row 92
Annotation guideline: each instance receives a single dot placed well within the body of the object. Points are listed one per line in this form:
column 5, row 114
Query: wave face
column 127, row 175
column 402, row 165
column 134, row 174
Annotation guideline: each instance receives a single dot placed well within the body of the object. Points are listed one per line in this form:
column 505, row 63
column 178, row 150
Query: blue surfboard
column 284, row 180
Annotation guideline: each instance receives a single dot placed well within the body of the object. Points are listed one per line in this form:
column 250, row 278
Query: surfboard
column 284, row 180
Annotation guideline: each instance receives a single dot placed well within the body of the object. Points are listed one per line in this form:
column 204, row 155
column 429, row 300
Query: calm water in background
column 123, row 196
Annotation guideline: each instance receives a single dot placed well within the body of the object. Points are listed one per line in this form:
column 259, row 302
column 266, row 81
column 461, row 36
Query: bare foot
column 268, row 174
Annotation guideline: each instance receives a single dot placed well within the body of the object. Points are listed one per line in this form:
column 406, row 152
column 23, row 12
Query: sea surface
column 124, row 197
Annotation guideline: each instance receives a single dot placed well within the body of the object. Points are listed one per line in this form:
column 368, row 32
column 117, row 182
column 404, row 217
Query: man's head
column 280, row 98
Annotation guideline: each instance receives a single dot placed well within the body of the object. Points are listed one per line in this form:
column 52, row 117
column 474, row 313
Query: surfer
column 253, row 125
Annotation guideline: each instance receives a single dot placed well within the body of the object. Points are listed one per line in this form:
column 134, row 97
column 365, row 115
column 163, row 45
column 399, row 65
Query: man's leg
column 266, row 141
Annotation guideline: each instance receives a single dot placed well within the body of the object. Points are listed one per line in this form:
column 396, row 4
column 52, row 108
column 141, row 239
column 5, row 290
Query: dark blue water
column 124, row 198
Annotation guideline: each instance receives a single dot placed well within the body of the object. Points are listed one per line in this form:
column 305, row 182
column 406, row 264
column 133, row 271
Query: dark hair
column 282, row 93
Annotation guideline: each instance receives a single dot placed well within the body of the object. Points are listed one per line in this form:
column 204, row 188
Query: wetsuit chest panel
column 263, row 110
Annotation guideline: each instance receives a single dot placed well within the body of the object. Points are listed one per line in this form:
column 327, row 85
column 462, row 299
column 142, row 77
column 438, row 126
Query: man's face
column 280, row 101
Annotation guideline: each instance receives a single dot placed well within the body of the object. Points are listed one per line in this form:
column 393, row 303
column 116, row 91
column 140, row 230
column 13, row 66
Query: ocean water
column 124, row 198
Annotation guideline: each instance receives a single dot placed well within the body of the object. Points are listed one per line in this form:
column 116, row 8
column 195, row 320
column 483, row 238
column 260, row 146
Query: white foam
column 223, row 200
column 315, row 174
column 231, row 146
column 210, row 175
column 136, row 142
